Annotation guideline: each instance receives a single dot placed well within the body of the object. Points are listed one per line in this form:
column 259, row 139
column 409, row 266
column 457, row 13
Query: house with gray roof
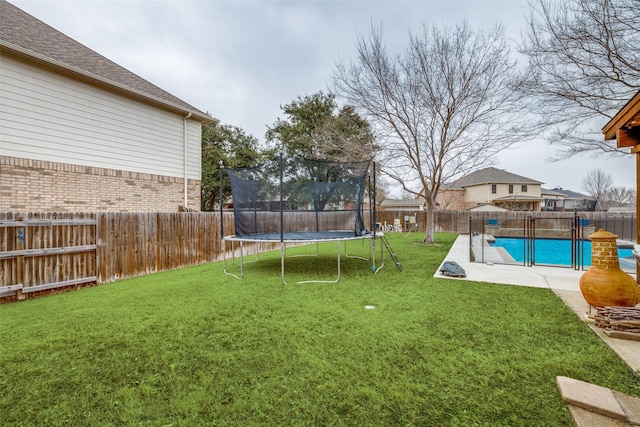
column 491, row 187
column 80, row 132
column 561, row 200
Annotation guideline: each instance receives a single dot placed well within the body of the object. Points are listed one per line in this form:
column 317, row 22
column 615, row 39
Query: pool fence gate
column 534, row 227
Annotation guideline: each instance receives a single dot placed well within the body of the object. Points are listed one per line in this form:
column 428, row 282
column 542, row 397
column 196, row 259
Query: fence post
column 20, row 261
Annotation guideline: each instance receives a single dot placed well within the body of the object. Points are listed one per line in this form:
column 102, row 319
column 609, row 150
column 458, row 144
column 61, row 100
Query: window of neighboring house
column 524, row 188
column 494, row 189
column 510, row 188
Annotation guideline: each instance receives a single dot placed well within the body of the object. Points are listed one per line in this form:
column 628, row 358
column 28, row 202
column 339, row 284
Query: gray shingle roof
column 568, row 194
column 402, row 203
column 491, row 175
column 26, row 36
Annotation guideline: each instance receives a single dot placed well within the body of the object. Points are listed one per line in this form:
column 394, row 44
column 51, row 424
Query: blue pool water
column 551, row 251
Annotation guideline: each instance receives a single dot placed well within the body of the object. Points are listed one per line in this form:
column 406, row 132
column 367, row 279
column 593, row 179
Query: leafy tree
column 316, row 128
column 584, row 65
column 445, row 105
column 234, row 148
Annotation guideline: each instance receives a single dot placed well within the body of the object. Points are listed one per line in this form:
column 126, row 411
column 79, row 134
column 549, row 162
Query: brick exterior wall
column 604, row 251
column 33, row 185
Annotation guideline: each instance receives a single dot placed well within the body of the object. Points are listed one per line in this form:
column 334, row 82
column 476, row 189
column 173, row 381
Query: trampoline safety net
column 299, row 200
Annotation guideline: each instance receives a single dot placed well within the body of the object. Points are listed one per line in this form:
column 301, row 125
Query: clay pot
column 604, row 284
column 601, row 288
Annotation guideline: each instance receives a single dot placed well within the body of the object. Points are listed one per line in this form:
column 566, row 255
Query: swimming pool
column 551, row 251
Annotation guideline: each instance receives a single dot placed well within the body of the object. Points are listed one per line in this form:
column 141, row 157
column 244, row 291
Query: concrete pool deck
column 564, row 282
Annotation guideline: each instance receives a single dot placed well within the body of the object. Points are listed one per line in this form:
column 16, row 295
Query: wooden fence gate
column 41, row 252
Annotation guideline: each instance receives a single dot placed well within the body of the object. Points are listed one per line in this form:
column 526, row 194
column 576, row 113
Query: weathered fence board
column 46, row 250
column 136, row 243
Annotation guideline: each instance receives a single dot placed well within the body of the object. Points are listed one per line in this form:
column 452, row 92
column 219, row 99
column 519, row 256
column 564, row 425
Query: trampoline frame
column 280, row 237
column 283, row 248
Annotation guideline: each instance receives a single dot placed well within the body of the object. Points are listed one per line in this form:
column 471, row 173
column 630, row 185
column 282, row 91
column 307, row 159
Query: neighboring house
column 409, row 205
column 78, row 132
column 553, row 200
column 561, row 200
column 491, row 187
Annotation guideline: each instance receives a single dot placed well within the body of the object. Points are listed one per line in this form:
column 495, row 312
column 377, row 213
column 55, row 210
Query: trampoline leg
column 303, row 255
column 372, row 253
column 283, row 250
column 339, row 259
column 310, row 281
column 224, row 259
column 241, row 259
column 355, row 256
column 381, row 258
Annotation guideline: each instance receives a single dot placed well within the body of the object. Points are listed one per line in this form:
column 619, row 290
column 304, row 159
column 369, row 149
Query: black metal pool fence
column 485, row 228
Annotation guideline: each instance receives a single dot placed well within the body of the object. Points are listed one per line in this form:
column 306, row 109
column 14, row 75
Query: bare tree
column 441, row 108
column 620, row 196
column 597, row 184
column 584, row 65
column 344, row 137
column 383, row 187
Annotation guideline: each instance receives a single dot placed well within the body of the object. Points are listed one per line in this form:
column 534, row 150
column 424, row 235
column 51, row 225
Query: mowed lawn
column 196, row 347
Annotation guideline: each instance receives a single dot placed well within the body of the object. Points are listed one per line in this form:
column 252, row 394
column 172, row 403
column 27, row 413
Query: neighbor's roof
column 491, row 175
column 29, row 38
column 547, row 192
column 568, row 194
column 402, row 203
column 487, row 207
column 517, row 198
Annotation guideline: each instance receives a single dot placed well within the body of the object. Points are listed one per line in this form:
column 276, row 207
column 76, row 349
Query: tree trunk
column 431, row 215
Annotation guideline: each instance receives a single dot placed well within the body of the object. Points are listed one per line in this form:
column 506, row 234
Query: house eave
column 622, row 118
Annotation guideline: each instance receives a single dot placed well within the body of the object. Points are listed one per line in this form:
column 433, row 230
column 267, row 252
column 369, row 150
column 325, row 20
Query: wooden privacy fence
column 42, row 252
column 446, row 221
column 136, row 243
column 49, row 251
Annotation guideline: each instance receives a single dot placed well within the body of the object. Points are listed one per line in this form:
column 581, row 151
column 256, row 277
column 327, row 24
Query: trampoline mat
column 298, row 236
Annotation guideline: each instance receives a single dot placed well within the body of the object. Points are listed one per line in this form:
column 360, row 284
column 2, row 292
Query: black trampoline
column 292, row 202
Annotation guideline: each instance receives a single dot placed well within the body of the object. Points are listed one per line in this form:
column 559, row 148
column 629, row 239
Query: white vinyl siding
column 483, row 193
column 47, row 116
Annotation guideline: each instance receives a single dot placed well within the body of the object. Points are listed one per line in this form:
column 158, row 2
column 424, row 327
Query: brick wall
column 604, row 251
column 34, row 185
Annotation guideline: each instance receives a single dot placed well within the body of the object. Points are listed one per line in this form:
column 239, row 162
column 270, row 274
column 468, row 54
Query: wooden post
column 20, row 261
column 637, row 151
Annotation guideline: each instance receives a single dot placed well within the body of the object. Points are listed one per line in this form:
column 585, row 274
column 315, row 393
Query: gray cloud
column 241, row 60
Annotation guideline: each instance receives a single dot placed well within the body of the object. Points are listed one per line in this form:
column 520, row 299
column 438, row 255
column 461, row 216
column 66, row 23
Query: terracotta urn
column 605, row 284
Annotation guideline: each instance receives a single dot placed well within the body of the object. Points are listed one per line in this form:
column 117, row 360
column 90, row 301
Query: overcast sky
column 240, row 60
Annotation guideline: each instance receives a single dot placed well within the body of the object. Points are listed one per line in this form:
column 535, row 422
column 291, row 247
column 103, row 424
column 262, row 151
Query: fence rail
column 46, row 251
column 41, row 252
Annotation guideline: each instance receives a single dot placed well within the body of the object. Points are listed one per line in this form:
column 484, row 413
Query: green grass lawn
column 196, row 347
